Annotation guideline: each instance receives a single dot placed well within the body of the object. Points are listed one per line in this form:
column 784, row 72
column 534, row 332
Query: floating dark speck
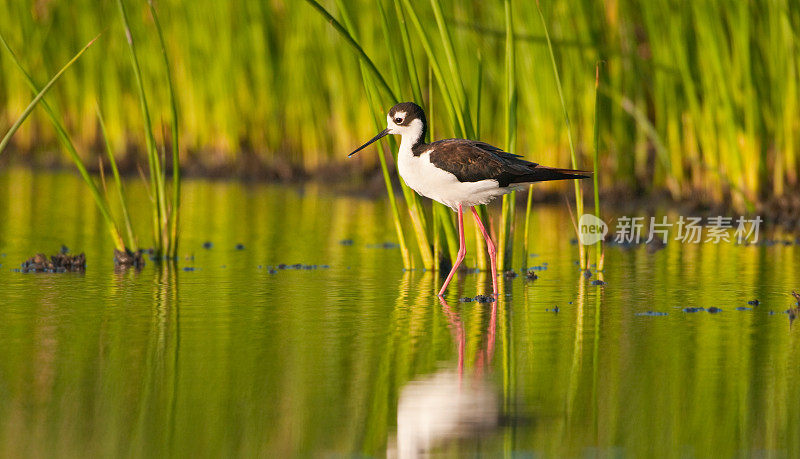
column 714, row 310
column 531, row 275
column 64, row 249
column 692, row 309
column 510, row 274
column 272, row 271
column 743, row 308
column 208, row 245
column 346, row 242
column 652, row 313
column 260, row 267
column 466, row 299
column 188, row 268
column 239, row 246
column 587, row 274
column 325, row 266
column 484, row 299
column 753, row 302
column 599, row 282
column 282, row 266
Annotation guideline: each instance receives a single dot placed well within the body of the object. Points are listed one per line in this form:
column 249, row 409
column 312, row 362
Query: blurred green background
column 697, row 96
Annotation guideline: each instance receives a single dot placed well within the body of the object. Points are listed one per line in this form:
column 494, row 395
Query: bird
column 460, row 173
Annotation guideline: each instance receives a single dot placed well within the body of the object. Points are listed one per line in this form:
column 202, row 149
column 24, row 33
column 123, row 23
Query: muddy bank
column 348, row 177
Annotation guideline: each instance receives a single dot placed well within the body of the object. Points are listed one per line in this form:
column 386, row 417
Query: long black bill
column 381, row 134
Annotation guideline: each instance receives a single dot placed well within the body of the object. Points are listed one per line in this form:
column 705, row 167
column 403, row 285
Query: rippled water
column 359, row 358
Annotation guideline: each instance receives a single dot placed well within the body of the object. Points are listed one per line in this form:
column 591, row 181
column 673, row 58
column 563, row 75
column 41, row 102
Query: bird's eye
column 398, row 120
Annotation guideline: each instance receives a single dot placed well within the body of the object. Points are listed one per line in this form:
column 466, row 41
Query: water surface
column 357, row 357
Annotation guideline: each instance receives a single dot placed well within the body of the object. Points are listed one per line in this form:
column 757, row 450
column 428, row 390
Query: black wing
column 472, row 161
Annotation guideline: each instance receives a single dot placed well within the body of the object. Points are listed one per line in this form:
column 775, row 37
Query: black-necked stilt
column 460, row 173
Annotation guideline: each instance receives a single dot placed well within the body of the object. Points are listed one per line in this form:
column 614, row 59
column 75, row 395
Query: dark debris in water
column 599, row 282
column 383, row 245
column 652, row 313
column 531, row 275
column 714, row 310
column 554, row 310
column 208, row 245
column 239, row 246
column 59, row 263
column 64, row 249
column 753, row 302
column 693, row 309
column 127, row 259
column 297, row 266
column 189, row 269
column 478, row 299
column 743, row 308
column 510, row 274
column 587, row 274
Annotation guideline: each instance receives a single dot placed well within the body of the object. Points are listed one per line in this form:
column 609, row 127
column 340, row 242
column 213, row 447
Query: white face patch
column 395, row 128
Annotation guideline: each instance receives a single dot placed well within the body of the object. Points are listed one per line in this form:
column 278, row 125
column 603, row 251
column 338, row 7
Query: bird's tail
column 544, row 174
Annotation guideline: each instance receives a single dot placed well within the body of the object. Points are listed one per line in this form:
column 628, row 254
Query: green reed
column 39, row 94
column 507, row 218
column 596, row 164
column 717, row 83
column 101, row 200
column 582, row 258
column 112, row 161
column 164, row 215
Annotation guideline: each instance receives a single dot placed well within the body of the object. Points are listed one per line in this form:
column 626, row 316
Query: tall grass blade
column 505, row 244
column 573, row 160
column 596, row 163
column 369, row 84
column 174, row 211
column 415, row 210
column 354, row 44
column 156, row 177
column 41, row 93
column 132, row 245
column 99, row 198
column 456, row 115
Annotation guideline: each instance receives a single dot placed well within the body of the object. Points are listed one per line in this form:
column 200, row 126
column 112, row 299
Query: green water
column 231, row 360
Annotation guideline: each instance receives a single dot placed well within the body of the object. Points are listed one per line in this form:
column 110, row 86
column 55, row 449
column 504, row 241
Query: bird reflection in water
column 448, row 405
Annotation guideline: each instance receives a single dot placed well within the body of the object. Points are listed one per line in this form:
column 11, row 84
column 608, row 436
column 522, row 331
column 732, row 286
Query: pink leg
column 491, row 249
column 462, row 250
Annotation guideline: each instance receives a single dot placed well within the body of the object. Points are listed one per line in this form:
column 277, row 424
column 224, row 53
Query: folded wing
column 473, row 161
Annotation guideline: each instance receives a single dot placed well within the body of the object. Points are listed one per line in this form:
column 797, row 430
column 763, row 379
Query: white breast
column 426, row 179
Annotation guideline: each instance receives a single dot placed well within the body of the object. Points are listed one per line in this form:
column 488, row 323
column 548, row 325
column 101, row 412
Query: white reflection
column 447, row 405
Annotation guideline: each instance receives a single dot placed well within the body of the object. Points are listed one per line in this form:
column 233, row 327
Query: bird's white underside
column 428, row 180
